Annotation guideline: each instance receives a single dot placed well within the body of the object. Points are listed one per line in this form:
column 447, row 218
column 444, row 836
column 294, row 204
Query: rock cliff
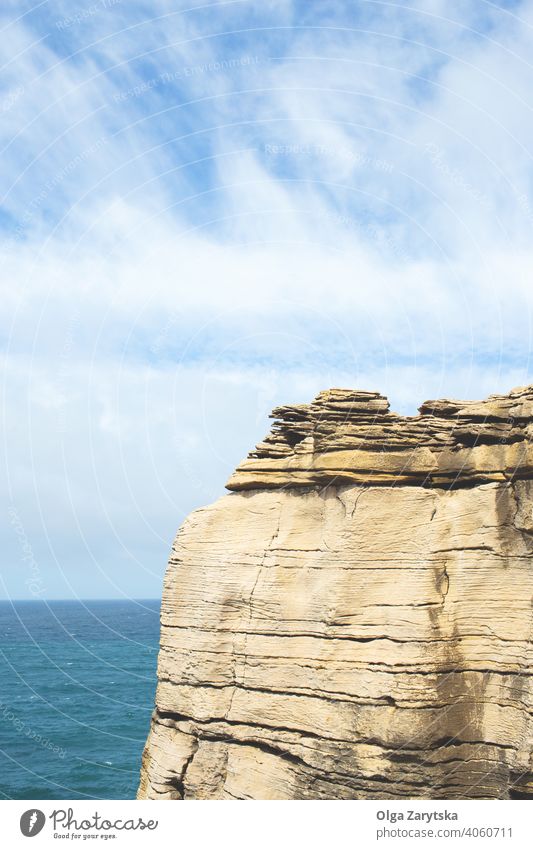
column 355, row 619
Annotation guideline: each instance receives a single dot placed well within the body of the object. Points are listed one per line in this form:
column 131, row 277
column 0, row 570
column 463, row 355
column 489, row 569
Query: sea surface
column 77, row 688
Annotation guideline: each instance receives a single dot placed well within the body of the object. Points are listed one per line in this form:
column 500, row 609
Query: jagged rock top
column 349, row 436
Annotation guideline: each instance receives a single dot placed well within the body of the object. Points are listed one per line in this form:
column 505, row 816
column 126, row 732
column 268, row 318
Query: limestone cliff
column 355, row 619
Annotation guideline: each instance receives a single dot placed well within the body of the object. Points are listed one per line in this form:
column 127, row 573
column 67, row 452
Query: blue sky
column 209, row 210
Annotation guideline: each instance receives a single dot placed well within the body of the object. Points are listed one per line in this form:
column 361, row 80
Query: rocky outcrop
column 348, row 437
column 355, row 619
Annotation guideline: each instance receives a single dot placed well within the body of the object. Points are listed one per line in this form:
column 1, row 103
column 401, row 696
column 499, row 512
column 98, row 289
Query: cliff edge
column 354, row 620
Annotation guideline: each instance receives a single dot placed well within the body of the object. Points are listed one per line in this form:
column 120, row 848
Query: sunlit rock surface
column 355, row 619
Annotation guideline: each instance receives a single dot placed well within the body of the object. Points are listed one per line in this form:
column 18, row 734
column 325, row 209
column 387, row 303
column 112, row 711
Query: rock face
column 355, row 619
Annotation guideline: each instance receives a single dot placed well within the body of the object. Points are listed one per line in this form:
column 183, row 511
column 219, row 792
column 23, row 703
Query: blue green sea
column 77, row 687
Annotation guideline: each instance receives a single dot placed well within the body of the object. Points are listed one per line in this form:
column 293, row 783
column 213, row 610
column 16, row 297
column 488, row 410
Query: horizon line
column 11, row 600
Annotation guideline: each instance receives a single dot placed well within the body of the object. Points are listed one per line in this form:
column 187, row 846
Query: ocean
column 77, row 688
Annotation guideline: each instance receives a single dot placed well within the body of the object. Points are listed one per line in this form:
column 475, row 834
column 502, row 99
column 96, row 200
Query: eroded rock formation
column 355, row 619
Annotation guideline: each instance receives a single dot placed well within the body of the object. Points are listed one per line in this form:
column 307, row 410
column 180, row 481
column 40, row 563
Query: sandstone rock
column 355, row 619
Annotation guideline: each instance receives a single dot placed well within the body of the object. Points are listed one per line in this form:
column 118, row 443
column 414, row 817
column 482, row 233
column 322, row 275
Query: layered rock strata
column 355, row 619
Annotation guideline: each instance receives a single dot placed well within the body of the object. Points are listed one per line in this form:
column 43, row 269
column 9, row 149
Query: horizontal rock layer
column 324, row 640
column 351, row 437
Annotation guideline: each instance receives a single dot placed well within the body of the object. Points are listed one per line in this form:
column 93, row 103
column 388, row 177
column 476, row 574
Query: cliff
column 355, row 619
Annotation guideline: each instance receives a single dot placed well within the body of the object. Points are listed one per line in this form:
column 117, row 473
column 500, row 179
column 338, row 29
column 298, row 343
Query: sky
column 212, row 209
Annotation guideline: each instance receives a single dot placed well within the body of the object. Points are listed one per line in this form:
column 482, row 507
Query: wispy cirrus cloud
column 211, row 209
